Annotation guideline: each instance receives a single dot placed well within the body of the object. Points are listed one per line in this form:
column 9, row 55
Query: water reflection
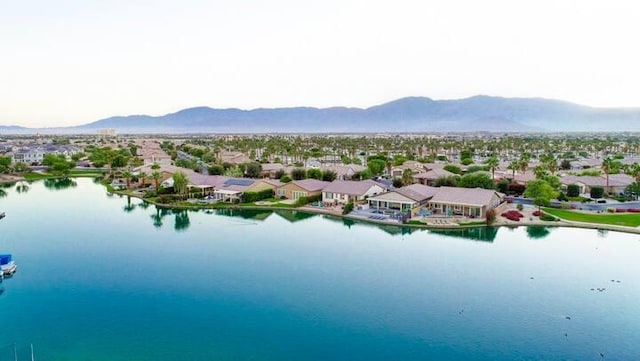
column 129, row 207
column 484, row 234
column 144, row 204
column 22, row 187
column 294, row 216
column 182, row 221
column 158, row 217
column 254, row 214
column 537, row 232
column 59, row 183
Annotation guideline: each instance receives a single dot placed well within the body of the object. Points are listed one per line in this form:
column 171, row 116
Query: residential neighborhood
column 444, row 175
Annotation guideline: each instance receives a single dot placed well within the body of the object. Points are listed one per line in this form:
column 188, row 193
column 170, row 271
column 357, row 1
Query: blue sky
column 71, row 62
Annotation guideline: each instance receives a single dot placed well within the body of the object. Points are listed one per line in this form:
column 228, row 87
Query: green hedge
column 573, row 190
column 597, row 192
column 306, row 200
column 250, row 197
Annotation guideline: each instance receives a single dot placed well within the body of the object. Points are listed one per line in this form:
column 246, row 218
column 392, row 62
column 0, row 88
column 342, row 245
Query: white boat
column 7, row 266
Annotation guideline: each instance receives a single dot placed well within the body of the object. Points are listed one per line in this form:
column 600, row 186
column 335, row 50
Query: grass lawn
column 275, row 205
column 616, row 219
column 418, row 223
column 72, row 173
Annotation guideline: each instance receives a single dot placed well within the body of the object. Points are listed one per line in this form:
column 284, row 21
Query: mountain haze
column 411, row 114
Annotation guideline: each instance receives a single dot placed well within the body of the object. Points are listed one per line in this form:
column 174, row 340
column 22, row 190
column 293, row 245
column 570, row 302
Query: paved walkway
column 5, row 178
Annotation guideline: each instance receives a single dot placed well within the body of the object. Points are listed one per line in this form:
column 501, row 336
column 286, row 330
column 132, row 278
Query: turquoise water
column 107, row 278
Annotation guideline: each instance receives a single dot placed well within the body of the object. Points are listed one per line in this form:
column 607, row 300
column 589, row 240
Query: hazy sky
column 74, row 61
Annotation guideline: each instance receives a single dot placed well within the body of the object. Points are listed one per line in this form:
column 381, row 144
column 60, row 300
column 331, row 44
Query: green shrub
column 597, row 192
column 503, row 186
column 452, row 168
column 347, row 208
column 611, row 210
column 548, row 218
column 165, row 199
column 562, row 197
column 249, row 197
column 306, row 200
column 520, row 207
column 573, row 190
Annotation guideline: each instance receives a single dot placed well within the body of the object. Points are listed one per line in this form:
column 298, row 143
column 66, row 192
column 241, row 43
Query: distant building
column 36, row 154
column 107, row 132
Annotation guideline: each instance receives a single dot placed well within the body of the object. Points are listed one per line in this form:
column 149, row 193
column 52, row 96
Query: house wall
column 259, row 186
column 346, row 198
column 293, row 191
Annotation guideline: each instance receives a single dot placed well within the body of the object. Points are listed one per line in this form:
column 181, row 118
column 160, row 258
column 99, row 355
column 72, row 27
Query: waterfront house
column 301, row 188
column 403, row 199
column 343, row 191
column 468, row 202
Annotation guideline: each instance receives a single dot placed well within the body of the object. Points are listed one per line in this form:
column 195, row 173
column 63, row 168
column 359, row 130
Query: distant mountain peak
column 409, row 114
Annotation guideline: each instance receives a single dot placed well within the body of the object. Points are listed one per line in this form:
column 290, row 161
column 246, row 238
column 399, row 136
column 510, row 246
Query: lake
column 104, row 277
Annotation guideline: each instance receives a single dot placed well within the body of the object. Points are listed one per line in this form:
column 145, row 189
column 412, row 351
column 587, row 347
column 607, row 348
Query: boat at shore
column 7, row 266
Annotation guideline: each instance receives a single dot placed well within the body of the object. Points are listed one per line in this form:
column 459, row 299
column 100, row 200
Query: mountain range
column 411, row 114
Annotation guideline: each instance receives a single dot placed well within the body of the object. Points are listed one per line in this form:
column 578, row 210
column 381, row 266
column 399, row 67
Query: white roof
column 226, row 191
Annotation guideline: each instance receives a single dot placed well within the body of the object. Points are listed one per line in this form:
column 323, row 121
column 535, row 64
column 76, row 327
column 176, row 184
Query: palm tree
column 180, row 183
column 492, row 163
column 550, row 162
column 513, row 167
column 540, row 171
column 407, row 177
column 127, row 177
column 157, row 177
column 523, row 163
column 607, row 166
column 634, row 171
column 142, row 176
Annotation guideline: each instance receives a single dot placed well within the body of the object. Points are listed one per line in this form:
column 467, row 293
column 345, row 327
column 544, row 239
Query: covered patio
column 391, row 201
column 227, row 196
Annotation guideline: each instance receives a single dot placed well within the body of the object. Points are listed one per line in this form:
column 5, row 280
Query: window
column 328, row 195
column 298, row 194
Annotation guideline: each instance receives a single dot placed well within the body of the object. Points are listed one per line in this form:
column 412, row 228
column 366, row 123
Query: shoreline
column 499, row 222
